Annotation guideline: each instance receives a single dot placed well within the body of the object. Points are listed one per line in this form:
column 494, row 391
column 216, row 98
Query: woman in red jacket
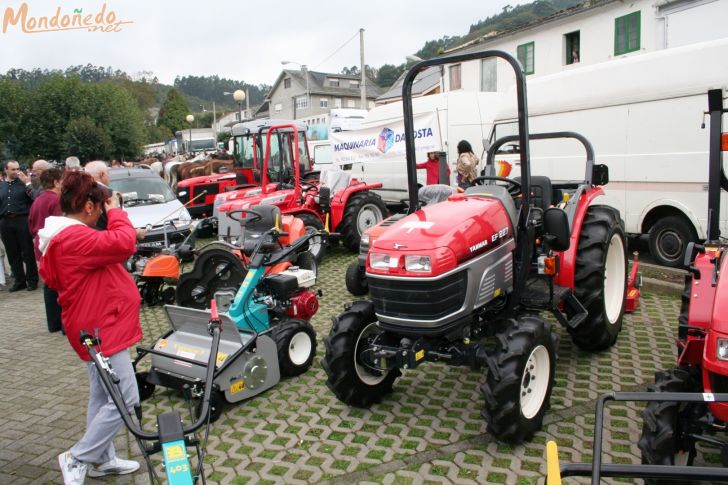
column 97, row 295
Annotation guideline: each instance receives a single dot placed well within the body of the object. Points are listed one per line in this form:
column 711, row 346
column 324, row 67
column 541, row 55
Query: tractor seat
column 541, row 191
column 496, row 192
column 255, row 229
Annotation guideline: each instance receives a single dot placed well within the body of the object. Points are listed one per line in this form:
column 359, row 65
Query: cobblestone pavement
column 428, row 431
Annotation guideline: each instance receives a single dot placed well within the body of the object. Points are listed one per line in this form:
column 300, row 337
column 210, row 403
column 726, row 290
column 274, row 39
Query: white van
column 643, row 115
column 346, row 119
column 441, row 121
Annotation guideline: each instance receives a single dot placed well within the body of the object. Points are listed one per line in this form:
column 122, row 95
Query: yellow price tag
column 419, row 355
column 237, row 386
column 221, row 358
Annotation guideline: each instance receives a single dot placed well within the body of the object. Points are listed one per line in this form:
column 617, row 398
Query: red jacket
column 433, row 172
column 45, row 205
column 94, row 290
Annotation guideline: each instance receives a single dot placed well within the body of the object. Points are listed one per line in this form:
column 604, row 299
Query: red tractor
column 464, row 282
column 349, row 206
column 249, row 139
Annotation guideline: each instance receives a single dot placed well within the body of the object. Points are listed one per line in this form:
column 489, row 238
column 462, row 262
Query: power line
column 337, row 50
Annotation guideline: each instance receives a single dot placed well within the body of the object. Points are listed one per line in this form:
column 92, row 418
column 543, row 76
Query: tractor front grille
column 720, row 382
column 416, row 299
column 210, row 189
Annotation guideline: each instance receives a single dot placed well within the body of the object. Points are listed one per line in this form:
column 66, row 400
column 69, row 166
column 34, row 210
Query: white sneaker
column 115, row 466
column 74, row 472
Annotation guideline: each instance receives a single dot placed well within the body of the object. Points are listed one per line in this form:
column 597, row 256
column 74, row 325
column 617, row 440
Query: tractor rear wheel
column 349, row 377
column 315, row 245
column 520, row 378
column 296, row 342
column 356, row 279
column 305, row 260
column 600, row 278
column 664, row 440
column 363, row 210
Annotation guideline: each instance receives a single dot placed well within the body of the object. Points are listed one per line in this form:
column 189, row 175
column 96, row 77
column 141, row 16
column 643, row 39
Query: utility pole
column 247, row 104
column 363, row 83
column 214, row 120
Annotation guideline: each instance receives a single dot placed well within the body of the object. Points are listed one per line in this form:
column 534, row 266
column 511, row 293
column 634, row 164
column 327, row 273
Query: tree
column 388, row 74
column 86, row 140
column 173, row 112
column 13, row 101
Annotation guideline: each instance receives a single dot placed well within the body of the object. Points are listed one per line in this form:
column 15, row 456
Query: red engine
column 304, row 305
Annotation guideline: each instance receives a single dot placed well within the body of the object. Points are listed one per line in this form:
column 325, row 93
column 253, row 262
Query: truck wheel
column 600, row 278
column 363, row 210
column 315, row 246
column 669, row 238
column 296, row 343
column 351, row 380
column 663, row 440
column 520, row 378
column 356, row 279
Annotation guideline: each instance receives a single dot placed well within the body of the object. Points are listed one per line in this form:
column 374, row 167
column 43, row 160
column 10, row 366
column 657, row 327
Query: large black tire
column 521, row 374
column 664, row 440
column 228, row 272
column 363, row 210
column 600, row 279
column 296, row 343
column 356, row 279
column 350, row 381
column 313, row 224
column 669, row 238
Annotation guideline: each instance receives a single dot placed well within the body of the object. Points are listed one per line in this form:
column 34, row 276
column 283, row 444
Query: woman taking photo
column 98, row 296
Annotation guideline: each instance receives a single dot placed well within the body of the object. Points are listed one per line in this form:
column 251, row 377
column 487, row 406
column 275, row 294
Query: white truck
column 643, row 115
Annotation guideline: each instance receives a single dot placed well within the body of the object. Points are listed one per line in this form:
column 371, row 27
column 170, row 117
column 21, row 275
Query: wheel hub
column 535, row 381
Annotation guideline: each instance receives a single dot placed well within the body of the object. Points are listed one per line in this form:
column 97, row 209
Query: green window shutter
column 627, row 33
column 526, row 54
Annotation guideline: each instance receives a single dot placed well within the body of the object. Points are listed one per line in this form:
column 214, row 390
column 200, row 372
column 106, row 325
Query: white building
column 593, row 32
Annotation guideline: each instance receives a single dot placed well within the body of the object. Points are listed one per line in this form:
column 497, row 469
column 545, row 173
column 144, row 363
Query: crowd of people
column 466, row 167
column 50, row 226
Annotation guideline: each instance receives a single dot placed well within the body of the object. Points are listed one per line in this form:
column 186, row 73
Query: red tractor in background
column 349, row 206
column 463, row 282
column 249, row 140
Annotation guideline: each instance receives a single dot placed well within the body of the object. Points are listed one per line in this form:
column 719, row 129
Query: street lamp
column 239, row 96
column 190, row 119
column 308, row 93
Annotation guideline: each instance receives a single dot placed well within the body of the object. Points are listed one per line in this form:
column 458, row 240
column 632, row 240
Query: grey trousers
column 103, row 420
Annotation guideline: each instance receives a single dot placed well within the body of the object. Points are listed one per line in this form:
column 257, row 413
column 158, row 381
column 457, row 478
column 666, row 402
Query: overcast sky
column 238, row 39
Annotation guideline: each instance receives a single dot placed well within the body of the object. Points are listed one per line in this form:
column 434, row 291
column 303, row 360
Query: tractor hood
column 255, row 197
column 466, row 226
column 205, row 179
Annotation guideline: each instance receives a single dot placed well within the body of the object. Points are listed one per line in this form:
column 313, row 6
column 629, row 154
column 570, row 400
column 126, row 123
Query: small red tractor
column 688, row 404
column 349, row 206
column 249, row 141
column 463, row 282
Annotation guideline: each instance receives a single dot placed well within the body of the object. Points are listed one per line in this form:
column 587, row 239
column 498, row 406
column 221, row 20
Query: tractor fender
column 677, row 205
column 717, row 328
column 568, row 258
column 339, row 200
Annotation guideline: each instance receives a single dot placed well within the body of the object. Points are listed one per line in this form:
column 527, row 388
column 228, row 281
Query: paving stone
column 428, row 431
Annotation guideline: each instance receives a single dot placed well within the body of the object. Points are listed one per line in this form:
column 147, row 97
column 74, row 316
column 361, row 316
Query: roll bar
column 521, row 99
column 490, row 160
column 716, row 175
column 291, row 128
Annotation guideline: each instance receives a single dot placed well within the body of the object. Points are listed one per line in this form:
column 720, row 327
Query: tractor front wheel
column 520, row 378
column 664, row 440
column 600, row 279
column 296, row 343
column 356, row 279
column 363, row 210
column 351, row 376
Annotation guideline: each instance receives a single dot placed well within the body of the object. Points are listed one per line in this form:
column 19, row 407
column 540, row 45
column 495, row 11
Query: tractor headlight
column 722, row 349
column 382, row 261
column 365, row 239
column 417, row 264
column 181, row 193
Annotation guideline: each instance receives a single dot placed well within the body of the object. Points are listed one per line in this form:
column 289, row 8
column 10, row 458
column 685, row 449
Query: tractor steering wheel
column 513, row 187
column 236, row 215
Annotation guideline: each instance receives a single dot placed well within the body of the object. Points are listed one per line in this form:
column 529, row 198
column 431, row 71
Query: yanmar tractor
column 249, row 138
column 688, row 404
column 349, row 206
column 464, row 282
